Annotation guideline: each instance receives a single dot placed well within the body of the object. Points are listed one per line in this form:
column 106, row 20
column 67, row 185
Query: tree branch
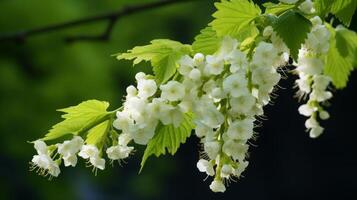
column 111, row 17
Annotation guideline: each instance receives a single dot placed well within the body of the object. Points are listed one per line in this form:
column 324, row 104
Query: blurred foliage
column 45, row 74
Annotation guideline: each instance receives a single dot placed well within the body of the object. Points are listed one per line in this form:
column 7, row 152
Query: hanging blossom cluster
column 312, row 84
column 230, row 94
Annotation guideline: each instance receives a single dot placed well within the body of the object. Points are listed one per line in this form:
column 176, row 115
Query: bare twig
column 111, row 17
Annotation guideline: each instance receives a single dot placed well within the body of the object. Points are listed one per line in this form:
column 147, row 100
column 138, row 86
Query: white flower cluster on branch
column 312, row 83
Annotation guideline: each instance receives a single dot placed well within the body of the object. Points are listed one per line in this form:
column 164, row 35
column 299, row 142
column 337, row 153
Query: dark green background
column 45, row 74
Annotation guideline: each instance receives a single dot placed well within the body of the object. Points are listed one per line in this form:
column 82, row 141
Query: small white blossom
column 235, row 85
column 172, row 91
column 212, row 149
column 217, row 186
column 241, row 129
column 205, row 166
column 227, row 171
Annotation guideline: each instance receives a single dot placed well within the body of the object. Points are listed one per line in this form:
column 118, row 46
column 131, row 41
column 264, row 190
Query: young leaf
column 293, row 28
column 341, row 56
column 79, row 119
column 97, row 134
column 163, row 55
column 235, row 18
column 168, row 138
column 206, row 42
column 277, row 9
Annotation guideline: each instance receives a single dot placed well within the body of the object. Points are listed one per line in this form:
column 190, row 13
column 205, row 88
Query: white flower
column 316, row 131
column 241, row 129
column 311, row 123
column 241, row 167
column 217, row 186
column 41, row 160
column 310, row 65
column 243, row 104
column 205, row 166
column 172, row 91
column 172, row 116
column 70, row 160
column 288, row 1
column 304, row 83
column 198, row 58
column 265, row 55
column 235, row 85
column 40, row 147
column 324, row 115
column 45, row 163
column 235, row 149
column 202, row 130
column 316, row 21
column 238, row 61
column 307, row 7
column 123, row 121
column 119, row 152
column 146, row 88
column 143, row 135
column 307, row 109
column 186, row 64
column 70, row 147
column 226, row 171
column 88, row 151
column 320, row 95
column 268, row 31
column 53, row 169
column 124, row 139
column 131, row 92
column 228, row 45
column 214, row 65
column 97, row 162
column 139, row 76
column 195, row 74
column 321, row 82
column 212, row 149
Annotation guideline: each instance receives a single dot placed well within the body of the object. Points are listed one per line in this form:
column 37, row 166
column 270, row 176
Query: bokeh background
column 46, row 73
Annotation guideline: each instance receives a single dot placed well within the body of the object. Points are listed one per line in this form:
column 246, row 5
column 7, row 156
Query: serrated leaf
column 79, row 118
column 163, row 55
column 168, row 139
column 277, row 9
column 344, row 10
column 96, row 134
column 235, row 18
column 207, row 42
column 293, row 28
column 337, row 66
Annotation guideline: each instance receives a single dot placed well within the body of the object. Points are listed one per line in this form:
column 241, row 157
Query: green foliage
column 235, row 18
column 79, row 119
column 206, row 42
column 168, row 138
column 163, row 55
column 277, row 9
column 341, row 56
column 293, row 28
column 342, row 9
column 97, row 134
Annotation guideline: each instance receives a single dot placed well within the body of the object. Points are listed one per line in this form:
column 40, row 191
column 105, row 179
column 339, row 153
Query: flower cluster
column 312, row 83
column 229, row 90
column 49, row 158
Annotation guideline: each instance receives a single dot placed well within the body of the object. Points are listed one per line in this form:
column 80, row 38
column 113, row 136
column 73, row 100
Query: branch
column 111, row 17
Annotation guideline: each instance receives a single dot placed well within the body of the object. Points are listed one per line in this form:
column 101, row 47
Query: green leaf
column 277, row 9
column 97, row 134
column 168, row 138
column 342, row 9
column 293, row 28
column 235, row 18
column 346, row 43
column 337, row 66
column 163, row 55
column 206, row 42
column 323, row 7
column 79, row 119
